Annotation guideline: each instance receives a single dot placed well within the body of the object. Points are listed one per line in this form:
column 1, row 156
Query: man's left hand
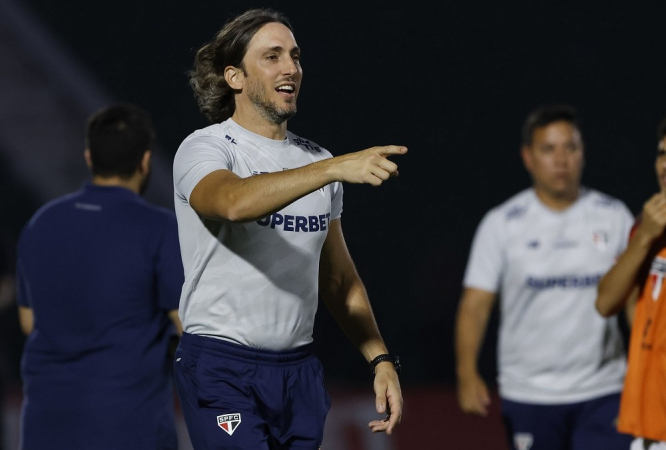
column 388, row 398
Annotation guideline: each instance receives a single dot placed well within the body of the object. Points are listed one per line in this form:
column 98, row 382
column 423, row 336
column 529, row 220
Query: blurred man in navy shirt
column 99, row 276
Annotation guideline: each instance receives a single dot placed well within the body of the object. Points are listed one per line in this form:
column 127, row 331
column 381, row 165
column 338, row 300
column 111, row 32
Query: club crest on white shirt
column 229, row 422
column 600, row 239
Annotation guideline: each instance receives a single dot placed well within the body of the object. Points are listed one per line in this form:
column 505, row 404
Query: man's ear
column 526, row 155
column 86, row 156
column 234, row 76
column 145, row 161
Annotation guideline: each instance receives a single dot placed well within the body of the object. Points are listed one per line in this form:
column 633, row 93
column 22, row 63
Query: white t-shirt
column 554, row 347
column 254, row 283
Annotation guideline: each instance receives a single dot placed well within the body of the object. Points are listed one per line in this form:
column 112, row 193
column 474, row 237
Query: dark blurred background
column 453, row 81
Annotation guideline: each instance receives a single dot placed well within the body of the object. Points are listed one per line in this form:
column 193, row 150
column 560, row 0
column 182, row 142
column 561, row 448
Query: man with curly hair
column 258, row 212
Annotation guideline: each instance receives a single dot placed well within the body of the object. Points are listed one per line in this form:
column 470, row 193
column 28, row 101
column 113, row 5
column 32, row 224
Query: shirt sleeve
column 336, row 200
column 484, row 267
column 169, row 267
column 198, row 156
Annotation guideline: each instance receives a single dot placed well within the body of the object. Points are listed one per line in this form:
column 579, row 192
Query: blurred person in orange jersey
column 637, row 283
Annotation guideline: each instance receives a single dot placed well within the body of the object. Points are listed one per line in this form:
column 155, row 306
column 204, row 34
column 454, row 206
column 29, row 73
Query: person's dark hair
column 662, row 129
column 545, row 115
column 117, row 137
column 214, row 96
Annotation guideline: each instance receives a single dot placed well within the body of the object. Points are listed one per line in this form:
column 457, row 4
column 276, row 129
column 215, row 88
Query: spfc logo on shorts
column 523, row 441
column 229, row 422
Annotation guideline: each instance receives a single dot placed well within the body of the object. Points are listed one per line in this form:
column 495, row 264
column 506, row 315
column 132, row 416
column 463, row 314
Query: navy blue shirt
column 100, row 269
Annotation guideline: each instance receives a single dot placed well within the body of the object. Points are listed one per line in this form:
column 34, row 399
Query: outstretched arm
column 620, row 283
column 473, row 313
column 224, row 195
column 344, row 295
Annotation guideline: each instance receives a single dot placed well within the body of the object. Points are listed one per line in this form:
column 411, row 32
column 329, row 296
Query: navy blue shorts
column 235, row 397
column 589, row 425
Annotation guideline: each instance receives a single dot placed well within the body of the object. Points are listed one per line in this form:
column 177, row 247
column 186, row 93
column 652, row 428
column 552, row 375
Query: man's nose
column 289, row 66
column 562, row 156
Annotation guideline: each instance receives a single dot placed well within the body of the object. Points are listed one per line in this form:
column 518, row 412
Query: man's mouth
column 286, row 89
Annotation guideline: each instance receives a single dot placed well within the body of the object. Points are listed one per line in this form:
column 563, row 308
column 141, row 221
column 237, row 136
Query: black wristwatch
column 386, row 357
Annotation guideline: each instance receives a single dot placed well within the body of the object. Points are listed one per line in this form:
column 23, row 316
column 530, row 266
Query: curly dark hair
column 214, row 96
column 545, row 115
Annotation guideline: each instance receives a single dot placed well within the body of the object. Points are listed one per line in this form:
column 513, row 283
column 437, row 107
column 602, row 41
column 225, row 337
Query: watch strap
column 386, row 357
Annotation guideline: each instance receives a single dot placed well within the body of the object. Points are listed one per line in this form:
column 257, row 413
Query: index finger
column 388, row 150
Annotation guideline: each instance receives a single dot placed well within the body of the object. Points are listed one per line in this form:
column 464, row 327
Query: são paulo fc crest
column 657, row 273
column 523, row 441
column 229, row 422
column 600, row 239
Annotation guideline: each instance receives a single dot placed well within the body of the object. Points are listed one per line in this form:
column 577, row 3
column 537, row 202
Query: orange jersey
column 643, row 405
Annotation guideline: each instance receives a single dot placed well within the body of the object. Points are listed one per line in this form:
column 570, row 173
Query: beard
column 258, row 96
